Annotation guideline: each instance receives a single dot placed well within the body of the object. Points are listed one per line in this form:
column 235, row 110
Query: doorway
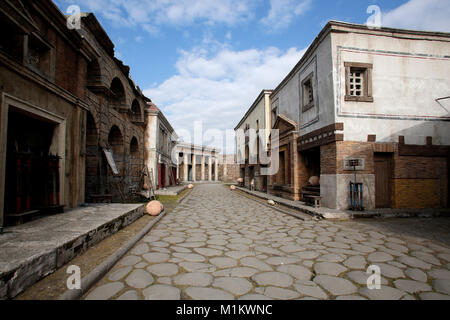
column 383, row 180
column 32, row 171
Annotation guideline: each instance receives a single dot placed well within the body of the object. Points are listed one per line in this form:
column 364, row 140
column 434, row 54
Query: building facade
column 252, row 137
column 160, row 140
column 64, row 100
column 197, row 163
column 376, row 96
column 229, row 169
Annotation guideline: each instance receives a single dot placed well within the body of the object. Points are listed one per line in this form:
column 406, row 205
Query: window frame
column 366, row 70
column 311, row 104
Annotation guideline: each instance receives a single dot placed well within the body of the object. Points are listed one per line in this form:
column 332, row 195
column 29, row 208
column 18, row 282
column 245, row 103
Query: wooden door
column 383, row 180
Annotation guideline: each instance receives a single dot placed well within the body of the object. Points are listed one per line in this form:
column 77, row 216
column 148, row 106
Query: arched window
column 136, row 115
column 118, row 99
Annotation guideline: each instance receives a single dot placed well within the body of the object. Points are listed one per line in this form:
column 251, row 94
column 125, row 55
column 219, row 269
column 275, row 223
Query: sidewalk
column 171, row 191
column 327, row 213
column 36, row 249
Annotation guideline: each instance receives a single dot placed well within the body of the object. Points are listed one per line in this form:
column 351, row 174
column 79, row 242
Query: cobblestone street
column 220, row 245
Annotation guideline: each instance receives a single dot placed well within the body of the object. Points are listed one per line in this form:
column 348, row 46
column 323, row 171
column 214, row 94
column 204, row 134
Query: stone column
column 194, row 166
column 216, row 169
column 185, row 163
column 203, row 167
column 210, row 168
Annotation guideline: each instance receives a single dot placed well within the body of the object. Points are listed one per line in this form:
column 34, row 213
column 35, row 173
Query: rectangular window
column 358, row 80
column 307, row 88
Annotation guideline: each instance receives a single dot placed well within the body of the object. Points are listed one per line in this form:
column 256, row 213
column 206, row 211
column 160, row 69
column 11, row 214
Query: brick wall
column 419, row 182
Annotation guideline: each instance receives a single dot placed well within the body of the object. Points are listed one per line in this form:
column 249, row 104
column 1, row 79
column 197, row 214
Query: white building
column 380, row 96
column 252, row 137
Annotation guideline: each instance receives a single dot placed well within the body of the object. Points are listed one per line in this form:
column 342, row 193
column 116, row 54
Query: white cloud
column 151, row 14
column 218, row 89
column 282, row 12
column 431, row 15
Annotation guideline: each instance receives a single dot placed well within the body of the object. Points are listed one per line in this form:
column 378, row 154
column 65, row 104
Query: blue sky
column 209, row 59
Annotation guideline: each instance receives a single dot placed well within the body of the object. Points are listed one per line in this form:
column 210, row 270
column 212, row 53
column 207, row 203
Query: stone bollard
column 154, row 208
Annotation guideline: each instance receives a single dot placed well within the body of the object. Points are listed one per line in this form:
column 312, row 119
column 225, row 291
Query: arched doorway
column 135, row 162
column 115, row 142
column 93, row 181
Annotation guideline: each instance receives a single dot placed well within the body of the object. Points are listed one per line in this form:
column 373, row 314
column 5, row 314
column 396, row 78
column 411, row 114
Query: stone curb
column 307, row 211
column 98, row 273
column 275, row 208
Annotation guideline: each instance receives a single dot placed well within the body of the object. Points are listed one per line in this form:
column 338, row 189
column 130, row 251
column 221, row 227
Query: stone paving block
column 156, row 257
column 197, row 293
column 444, row 256
column 162, row 292
column 139, row 279
column 190, row 257
column 130, row 260
column 174, row 240
column 223, row 262
column 120, row 273
column 141, row 265
column 239, row 254
column 106, row 291
column 236, row 286
column 439, row 274
column 255, row 263
column 416, row 274
column 276, row 261
column 329, row 268
column 414, row 262
column 296, row 271
column 332, row 257
column 208, row 252
column 356, row 262
column 442, row 286
column 336, row 244
column 278, row 279
column 140, row 249
column 280, row 293
column 379, row 257
column 243, row 272
column 311, row 291
column 433, row 296
column 335, row 286
column 163, row 269
column 361, row 278
column 129, row 295
column 390, row 271
column 198, row 279
column 385, row 293
column 363, row 248
column 426, row 257
column 412, row 286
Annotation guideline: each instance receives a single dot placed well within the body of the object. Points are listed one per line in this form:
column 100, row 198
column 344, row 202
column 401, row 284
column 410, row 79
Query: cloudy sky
column 209, row 59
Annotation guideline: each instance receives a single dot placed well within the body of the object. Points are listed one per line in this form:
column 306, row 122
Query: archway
column 117, row 99
column 93, row 181
column 94, row 74
column 136, row 115
column 115, row 142
column 135, row 162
